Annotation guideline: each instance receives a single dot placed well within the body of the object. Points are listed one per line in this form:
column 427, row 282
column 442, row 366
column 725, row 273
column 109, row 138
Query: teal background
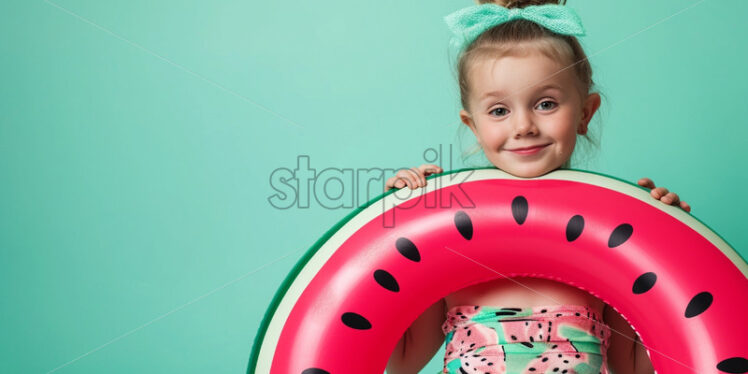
column 137, row 140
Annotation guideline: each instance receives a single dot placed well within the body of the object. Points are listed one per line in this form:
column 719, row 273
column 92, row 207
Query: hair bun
column 521, row 3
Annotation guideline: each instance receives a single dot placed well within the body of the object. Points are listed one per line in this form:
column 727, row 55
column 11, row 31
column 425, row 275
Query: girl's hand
column 662, row 194
column 413, row 177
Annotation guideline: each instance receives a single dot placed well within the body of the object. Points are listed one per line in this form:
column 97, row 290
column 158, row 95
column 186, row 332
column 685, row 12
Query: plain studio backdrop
column 138, row 140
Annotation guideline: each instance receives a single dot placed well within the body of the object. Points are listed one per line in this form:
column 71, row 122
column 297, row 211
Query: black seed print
column 505, row 313
column 514, row 309
column 620, row 235
column 315, row 371
column 644, row 283
column 464, row 225
column 408, row 249
column 526, row 344
column 733, row 365
column 519, row 209
column 574, row 228
column 386, row 280
column 514, row 337
column 355, row 321
column 699, row 304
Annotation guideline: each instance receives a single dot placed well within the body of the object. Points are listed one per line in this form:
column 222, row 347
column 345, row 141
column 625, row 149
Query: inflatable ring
column 350, row 298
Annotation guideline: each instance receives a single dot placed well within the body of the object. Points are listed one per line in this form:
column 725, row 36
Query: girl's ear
column 467, row 119
column 582, row 129
column 591, row 104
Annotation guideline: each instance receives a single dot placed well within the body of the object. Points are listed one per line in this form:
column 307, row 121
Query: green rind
column 262, row 329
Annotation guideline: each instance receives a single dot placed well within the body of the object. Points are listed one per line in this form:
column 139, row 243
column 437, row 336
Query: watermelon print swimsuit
column 563, row 339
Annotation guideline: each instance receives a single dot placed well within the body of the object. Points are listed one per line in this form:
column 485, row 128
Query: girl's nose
column 524, row 125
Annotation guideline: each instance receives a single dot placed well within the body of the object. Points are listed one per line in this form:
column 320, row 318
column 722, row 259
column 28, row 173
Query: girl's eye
column 499, row 114
column 550, row 102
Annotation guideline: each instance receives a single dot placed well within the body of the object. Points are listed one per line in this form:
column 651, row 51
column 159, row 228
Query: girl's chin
column 529, row 172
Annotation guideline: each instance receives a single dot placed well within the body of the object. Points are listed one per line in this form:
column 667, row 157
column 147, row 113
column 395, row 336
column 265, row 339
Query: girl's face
column 520, row 102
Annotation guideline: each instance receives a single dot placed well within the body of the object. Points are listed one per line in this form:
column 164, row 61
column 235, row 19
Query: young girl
column 525, row 89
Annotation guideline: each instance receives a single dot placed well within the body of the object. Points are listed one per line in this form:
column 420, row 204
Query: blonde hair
column 518, row 37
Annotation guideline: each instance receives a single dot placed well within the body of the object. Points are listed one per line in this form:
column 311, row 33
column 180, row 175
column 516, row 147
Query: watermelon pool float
column 350, row 298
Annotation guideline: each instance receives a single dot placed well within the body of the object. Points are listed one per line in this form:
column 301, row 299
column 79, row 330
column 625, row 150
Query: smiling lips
column 529, row 150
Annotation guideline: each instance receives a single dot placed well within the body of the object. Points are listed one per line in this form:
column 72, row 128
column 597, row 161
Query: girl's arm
column 621, row 349
column 420, row 342
column 642, row 363
column 626, row 354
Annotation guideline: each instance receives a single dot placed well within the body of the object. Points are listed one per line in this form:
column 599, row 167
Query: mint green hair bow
column 468, row 23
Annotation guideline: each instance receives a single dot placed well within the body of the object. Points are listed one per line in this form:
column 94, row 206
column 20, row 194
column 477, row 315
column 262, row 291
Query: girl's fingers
column 670, row 198
column 659, row 192
column 410, row 181
column 407, row 176
column 421, row 180
column 394, row 182
column 662, row 194
column 429, row 169
column 646, row 182
column 415, row 181
column 411, row 175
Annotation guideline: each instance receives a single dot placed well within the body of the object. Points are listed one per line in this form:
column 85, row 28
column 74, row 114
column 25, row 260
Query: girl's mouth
column 530, row 151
